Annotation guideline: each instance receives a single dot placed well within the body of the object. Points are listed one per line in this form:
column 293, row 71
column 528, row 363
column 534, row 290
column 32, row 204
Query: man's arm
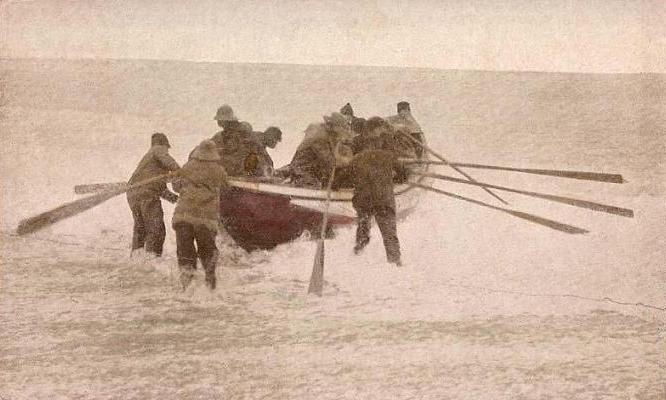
column 162, row 155
column 401, row 171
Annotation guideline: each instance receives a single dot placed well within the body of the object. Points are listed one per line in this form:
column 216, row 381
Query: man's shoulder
column 375, row 155
column 195, row 164
column 217, row 136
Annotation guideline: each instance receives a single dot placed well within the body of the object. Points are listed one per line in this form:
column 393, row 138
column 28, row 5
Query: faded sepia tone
column 485, row 305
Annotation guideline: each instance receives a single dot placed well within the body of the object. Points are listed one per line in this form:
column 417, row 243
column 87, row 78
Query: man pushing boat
column 149, row 231
column 233, row 141
column 195, row 219
column 375, row 169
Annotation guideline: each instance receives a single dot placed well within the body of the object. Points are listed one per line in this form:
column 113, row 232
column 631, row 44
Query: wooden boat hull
column 260, row 215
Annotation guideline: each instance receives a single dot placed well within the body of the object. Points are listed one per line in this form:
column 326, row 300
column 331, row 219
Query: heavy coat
column 373, row 173
column 199, row 184
column 155, row 162
column 313, row 163
column 233, row 145
column 315, row 157
column 264, row 162
column 407, row 124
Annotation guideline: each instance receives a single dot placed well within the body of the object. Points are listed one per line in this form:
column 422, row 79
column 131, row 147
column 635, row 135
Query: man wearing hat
column 231, row 141
column 319, row 152
column 405, row 122
column 195, row 219
column 144, row 201
column 225, row 117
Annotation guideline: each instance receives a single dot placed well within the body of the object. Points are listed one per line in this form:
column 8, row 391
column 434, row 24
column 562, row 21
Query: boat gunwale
column 301, row 193
column 339, row 195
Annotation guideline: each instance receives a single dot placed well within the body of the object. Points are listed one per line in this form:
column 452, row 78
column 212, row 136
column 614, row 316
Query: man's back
column 232, row 145
column 313, row 162
column 155, row 162
column 373, row 176
column 199, row 184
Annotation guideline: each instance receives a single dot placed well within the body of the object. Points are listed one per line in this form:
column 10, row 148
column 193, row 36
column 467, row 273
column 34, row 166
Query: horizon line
column 329, row 65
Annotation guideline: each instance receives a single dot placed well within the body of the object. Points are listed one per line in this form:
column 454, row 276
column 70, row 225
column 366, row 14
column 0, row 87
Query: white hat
column 206, row 151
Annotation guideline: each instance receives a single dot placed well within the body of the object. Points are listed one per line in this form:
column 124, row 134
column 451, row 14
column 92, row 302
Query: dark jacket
column 155, row 162
column 199, row 184
column 313, row 162
column 315, row 157
column 233, row 145
column 373, row 173
column 262, row 164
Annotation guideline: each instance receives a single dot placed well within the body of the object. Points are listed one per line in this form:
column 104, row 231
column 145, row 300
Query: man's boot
column 186, row 275
column 361, row 242
column 393, row 259
column 209, row 266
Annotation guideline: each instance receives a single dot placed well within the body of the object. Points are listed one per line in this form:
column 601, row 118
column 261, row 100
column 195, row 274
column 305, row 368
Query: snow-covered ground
column 486, row 306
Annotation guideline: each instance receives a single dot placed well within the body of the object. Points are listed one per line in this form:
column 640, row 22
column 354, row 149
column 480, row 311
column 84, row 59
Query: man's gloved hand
column 169, row 196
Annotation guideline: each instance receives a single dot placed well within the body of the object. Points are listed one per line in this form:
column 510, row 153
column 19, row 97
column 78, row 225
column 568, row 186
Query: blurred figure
column 259, row 163
column 196, row 217
column 144, row 201
column 348, row 112
column 316, row 156
column 405, row 122
column 357, row 125
column 354, row 122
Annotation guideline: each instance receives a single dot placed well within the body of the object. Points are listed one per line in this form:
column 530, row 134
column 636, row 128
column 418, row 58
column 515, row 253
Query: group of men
column 243, row 150
column 363, row 153
column 235, row 150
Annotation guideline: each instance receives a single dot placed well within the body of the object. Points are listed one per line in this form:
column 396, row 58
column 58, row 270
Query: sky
column 604, row 36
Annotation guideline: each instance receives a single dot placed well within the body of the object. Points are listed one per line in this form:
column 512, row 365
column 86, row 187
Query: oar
column 519, row 214
column 317, row 278
column 442, row 159
column 96, row 187
column 70, row 209
column 590, row 205
column 582, row 175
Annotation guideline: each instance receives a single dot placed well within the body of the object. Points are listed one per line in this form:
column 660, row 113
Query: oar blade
column 559, row 226
column 317, row 277
column 581, row 175
column 590, row 205
column 50, row 217
column 75, row 207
